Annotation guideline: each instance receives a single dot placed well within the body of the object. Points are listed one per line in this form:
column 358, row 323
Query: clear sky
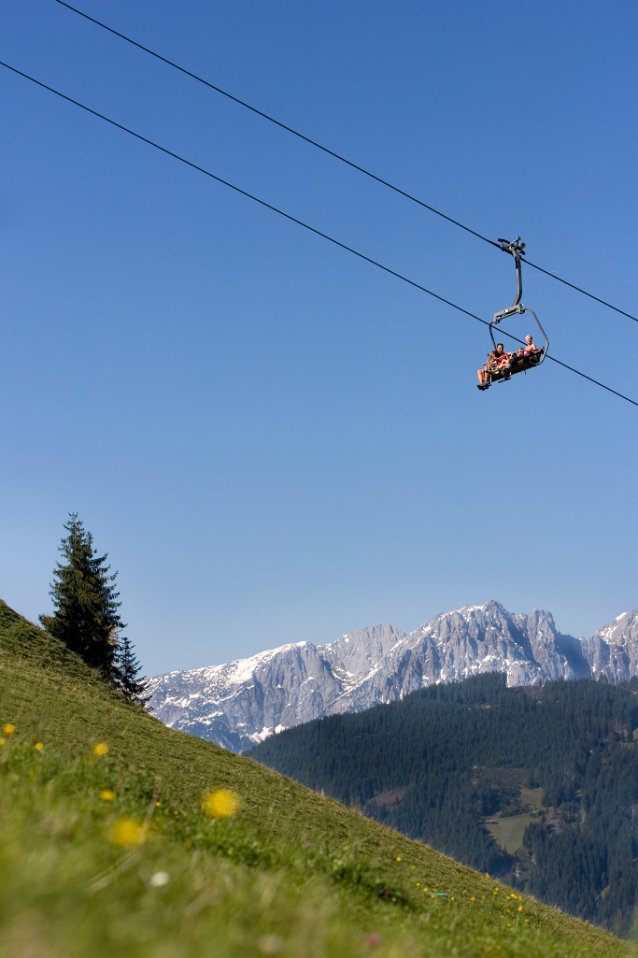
column 273, row 440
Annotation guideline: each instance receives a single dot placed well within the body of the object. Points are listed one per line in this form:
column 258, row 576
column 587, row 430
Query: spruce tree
column 129, row 669
column 86, row 615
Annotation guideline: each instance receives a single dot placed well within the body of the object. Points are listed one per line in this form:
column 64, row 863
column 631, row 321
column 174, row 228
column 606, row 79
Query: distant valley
column 242, row 703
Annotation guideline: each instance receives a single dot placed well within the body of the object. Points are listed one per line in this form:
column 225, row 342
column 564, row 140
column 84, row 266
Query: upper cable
column 337, row 156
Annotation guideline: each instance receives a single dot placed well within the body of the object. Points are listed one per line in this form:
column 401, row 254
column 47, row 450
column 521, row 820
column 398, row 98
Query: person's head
column 499, row 348
column 528, row 339
column 520, row 350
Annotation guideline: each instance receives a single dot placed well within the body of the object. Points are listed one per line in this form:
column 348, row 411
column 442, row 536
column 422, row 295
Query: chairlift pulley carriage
column 530, row 361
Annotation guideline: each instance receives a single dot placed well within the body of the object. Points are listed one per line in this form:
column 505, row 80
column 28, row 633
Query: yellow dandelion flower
column 126, row 832
column 472, row 898
column 398, row 858
column 418, row 884
column 520, row 908
column 157, row 804
column 9, row 729
column 425, row 889
column 495, row 892
column 107, row 795
column 39, row 746
column 100, row 749
column 527, row 921
column 587, row 921
column 1, row 741
column 222, row 803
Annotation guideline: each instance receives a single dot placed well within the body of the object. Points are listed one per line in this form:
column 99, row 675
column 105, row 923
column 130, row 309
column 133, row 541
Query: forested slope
column 537, row 785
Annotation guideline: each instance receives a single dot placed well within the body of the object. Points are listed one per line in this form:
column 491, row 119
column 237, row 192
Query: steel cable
column 294, row 219
column 337, row 156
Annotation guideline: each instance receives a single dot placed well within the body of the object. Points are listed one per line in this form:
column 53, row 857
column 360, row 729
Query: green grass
column 508, row 832
column 292, row 873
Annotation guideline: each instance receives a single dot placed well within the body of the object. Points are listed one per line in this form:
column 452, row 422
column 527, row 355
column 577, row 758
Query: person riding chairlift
column 496, row 359
column 529, row 345
column 529, row 353
column 517, row 357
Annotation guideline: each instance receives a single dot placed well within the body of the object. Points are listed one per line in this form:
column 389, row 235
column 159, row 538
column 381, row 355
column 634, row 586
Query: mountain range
column 239, row 704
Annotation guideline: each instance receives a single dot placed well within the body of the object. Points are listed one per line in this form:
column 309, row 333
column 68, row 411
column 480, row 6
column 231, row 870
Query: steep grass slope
column 112, row 854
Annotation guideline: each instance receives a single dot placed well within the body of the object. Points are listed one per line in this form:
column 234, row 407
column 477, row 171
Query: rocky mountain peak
column 613, row 650
column 242, row 702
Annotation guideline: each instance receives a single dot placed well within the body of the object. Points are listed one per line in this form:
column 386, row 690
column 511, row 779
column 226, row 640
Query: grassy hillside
column 112, row 854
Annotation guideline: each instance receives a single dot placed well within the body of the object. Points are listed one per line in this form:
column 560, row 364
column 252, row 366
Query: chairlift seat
column 526, row 362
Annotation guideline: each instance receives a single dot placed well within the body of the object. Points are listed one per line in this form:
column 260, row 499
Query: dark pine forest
column 462, row 766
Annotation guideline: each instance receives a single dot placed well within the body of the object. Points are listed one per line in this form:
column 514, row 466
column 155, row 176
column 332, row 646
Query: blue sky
column 273, row 440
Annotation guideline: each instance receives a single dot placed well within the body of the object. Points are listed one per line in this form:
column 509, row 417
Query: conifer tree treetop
column 131, row 684
column 86, row 604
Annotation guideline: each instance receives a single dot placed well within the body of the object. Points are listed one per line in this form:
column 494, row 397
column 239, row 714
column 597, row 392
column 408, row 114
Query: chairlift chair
column 519, row 364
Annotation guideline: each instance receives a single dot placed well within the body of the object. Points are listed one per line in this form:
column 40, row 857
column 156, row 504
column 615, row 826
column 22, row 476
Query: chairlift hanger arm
column 517, row 249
